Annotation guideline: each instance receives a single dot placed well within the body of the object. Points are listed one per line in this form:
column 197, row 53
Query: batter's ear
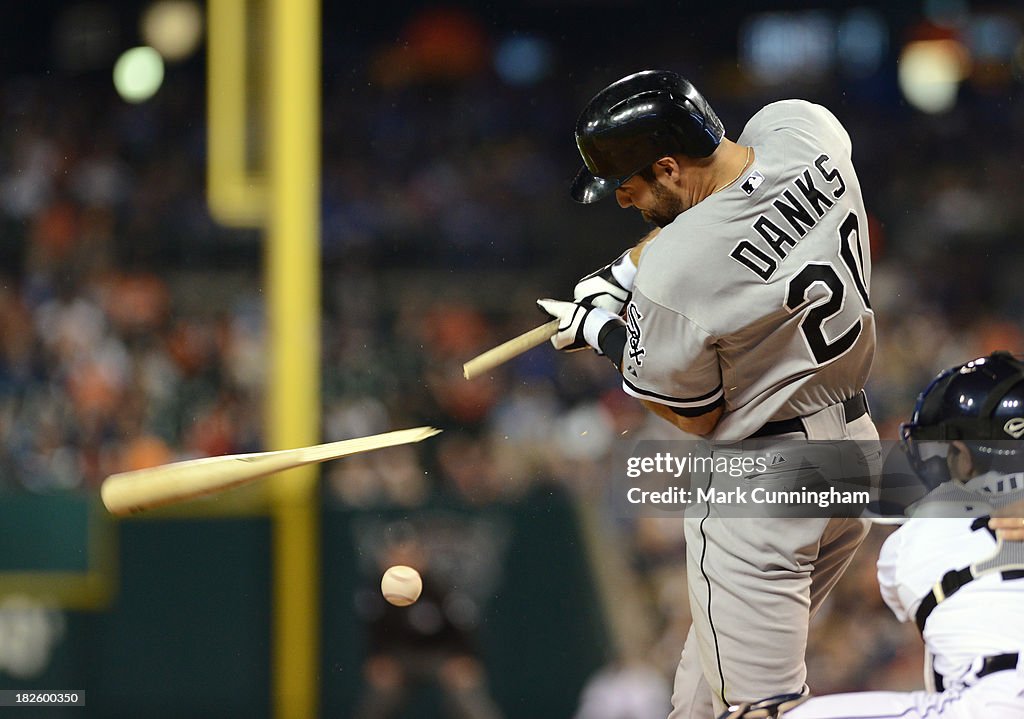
column 669, row 167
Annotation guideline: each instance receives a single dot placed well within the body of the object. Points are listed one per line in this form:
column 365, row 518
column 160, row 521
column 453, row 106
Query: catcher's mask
column 980, row 403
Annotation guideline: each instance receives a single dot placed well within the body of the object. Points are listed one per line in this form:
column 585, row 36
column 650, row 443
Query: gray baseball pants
column 754, row 584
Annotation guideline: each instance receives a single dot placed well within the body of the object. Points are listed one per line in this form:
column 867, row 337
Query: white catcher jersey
column 982, row 618
column 757, row 296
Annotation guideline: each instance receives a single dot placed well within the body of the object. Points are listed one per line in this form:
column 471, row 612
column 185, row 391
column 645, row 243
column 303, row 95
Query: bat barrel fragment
column 130, row 492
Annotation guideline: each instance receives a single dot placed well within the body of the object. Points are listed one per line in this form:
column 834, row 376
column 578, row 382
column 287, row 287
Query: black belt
column 991, row 665
column 854, row 408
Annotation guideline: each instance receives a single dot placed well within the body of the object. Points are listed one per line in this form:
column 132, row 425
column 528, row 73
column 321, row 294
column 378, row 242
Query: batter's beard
column 667, row 206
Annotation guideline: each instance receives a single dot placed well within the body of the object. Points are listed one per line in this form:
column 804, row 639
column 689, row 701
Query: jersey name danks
column 792, row 212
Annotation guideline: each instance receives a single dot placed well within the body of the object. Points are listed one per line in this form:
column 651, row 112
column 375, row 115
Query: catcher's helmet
column 633, row 122
column 980, row 403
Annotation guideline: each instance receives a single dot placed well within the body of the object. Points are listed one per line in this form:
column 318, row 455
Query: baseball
column 401, row 585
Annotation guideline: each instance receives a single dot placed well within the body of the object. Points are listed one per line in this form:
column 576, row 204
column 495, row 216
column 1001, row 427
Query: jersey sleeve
column 670, row 360
column 888, row 563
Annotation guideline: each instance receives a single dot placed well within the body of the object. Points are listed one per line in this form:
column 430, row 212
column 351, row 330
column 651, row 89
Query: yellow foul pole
column 236, row 196
column 293, row 284
column 284, row 201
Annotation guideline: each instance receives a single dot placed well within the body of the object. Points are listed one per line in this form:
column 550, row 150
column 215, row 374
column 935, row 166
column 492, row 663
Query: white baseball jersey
column 757, row 296
column 985, row 616
column 982, row 618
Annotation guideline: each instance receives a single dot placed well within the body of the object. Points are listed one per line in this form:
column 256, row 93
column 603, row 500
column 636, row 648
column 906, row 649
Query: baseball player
column 746, row 315
column 954, row 577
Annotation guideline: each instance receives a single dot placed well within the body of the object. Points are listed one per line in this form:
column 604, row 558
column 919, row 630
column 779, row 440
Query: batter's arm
column 635, row 253
column 611, row 342
column 611, row 287
column 699, row 425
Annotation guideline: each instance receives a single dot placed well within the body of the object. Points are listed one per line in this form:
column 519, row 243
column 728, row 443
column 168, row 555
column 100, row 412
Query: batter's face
column 656, row 203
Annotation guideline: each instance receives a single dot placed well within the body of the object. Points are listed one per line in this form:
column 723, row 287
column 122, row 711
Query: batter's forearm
column 611, row 341
column 635, row 253
column 700, row 425
column 613, row 346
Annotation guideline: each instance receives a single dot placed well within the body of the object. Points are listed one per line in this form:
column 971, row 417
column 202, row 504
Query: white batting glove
column 579, row 325
column 610, row 287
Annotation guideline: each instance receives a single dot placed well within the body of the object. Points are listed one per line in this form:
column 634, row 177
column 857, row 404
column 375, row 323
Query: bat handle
column 507, row 350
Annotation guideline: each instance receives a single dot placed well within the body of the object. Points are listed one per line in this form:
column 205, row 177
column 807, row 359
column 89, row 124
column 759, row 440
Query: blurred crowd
column 132, row 329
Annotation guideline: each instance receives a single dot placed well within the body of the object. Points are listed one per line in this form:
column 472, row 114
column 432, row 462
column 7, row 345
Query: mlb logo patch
column 753, row 181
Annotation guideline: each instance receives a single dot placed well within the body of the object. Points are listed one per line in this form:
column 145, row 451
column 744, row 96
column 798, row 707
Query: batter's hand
column 579, row 325
column 610, row 287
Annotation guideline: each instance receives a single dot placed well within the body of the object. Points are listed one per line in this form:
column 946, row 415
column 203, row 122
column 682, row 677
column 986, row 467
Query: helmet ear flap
column 707, row 131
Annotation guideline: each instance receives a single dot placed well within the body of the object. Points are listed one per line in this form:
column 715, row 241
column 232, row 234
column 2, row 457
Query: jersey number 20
column 812, row 324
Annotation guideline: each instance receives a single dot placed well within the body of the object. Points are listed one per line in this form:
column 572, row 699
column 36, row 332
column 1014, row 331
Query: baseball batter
column 746, row 315
column 953, row 576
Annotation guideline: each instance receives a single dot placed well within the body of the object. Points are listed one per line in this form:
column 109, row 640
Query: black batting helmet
column 980, row 403
column 633, row 122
